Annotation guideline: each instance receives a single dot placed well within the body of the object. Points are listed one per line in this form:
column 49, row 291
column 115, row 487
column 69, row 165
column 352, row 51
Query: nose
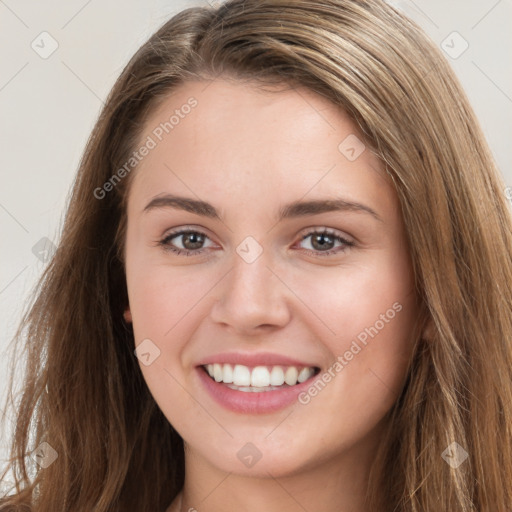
column 251, row 298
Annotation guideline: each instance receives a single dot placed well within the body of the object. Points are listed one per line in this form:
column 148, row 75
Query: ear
column 127, row 315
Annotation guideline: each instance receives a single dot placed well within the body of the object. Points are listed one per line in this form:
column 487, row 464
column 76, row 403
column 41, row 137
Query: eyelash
column 164, row 243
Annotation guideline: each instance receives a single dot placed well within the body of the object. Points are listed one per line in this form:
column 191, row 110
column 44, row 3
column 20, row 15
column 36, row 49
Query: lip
column 257, row 359
column 263, row 402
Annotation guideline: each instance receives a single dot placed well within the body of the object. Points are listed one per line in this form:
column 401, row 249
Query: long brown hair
column 115, row 449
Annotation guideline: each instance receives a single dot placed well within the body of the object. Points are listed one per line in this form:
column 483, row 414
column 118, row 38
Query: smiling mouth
column 259, row 378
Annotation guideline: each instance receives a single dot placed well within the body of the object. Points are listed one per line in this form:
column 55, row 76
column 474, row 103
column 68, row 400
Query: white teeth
column 260, row 377
column 249, row 379
column 241, row 375
column 227, row 374
column 305, row 374
column 217, row 372
column 290, row 376
column 252, row 389
column 277, row 376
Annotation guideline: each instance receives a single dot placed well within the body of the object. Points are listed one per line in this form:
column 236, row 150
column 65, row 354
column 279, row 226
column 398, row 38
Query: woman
column 283, row 283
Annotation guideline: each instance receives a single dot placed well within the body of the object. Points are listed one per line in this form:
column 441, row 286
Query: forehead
column 226, row 138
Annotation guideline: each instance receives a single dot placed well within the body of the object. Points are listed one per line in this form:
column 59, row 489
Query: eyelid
column 304, row 232
column 347, row 241
column 185, row 229
column 328, row 231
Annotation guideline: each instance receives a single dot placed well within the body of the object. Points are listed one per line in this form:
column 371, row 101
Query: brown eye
column 191, row 242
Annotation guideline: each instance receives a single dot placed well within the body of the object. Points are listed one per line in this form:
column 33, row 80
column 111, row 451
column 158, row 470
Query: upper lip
column 255, row 359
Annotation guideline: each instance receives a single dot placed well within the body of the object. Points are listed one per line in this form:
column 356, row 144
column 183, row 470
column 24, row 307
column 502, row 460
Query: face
column 265, row 242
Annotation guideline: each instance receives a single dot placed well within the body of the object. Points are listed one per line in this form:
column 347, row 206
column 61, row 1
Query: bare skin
column 248, row 153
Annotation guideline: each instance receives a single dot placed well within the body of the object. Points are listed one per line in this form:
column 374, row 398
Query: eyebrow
column 288, row 211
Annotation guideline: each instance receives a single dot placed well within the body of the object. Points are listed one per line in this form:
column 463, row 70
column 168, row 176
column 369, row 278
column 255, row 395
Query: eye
column 191, row 242
column 322, row 241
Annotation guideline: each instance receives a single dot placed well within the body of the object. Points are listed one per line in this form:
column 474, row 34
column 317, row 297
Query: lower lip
column 249, row 402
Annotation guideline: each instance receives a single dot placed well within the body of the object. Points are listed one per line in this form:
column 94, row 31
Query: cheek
column 161, row 296
column 161, row 301
column 372, row 311
column 349, row 298
column 373, row 366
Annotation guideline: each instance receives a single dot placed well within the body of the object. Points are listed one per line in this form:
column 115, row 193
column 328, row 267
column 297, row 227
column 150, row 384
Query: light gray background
column 48, row 106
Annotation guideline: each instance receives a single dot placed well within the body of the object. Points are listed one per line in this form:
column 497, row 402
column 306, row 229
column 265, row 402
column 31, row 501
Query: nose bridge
column 251, row 278
column 251, row 294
